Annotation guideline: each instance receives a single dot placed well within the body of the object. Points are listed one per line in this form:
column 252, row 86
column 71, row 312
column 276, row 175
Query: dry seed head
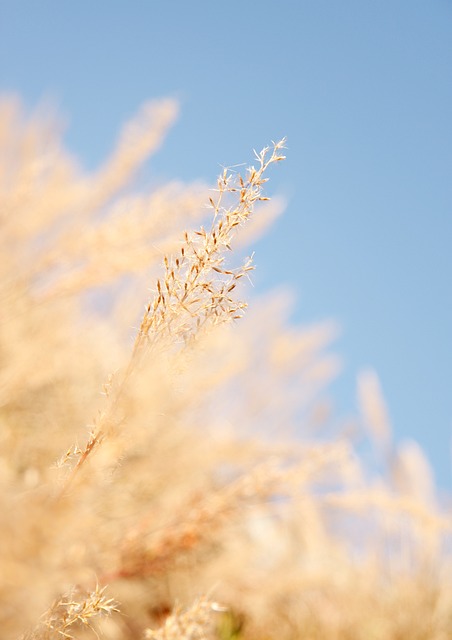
column 176, row 318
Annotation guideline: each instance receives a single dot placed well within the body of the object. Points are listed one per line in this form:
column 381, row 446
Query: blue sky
column 363, row 92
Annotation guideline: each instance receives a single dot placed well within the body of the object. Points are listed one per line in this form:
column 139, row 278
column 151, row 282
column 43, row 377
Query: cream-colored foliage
column 142, row 469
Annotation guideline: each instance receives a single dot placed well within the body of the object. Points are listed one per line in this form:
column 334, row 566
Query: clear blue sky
column 363, row 91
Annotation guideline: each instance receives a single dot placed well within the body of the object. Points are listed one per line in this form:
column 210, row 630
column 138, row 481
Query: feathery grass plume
column 203, row 521
column 70, row 612
column 374, row 411
column 197, row 287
